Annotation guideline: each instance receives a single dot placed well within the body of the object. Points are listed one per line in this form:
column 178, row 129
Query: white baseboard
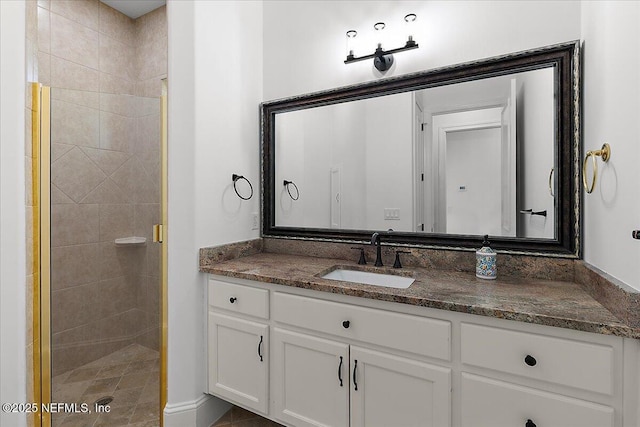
column 202, row 412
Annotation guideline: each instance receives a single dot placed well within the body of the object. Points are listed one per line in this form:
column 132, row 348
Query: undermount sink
column 368, row 278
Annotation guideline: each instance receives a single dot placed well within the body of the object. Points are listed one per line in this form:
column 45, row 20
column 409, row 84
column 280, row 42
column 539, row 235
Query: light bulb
column 379, row 27
column 410, row 20
column 351, row 35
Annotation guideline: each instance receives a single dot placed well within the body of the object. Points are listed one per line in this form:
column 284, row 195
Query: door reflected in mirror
column 468, row 158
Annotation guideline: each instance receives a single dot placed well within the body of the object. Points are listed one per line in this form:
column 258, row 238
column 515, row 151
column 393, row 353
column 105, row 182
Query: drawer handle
column 355, row 367
column 260, row 348
column 233, row 299
column 340, row 371
column 530, row 423
column 346, row 324
column 531, row 361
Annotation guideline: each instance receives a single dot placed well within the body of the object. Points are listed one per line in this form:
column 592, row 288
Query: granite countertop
column 545, row 302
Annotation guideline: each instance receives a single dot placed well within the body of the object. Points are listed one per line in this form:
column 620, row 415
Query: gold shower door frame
column 41, row 249
column 41, row 183
column 164, row 264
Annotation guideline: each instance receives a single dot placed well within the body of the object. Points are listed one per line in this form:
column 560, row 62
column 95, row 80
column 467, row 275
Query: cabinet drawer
column 487, row 402
column 404, row 332
column 571, row 363
column 239, row 298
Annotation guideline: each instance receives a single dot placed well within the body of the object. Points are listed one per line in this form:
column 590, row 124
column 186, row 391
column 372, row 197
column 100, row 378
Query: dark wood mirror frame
column 566, row 60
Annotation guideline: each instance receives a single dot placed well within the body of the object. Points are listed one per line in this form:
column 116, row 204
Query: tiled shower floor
column 131, row 376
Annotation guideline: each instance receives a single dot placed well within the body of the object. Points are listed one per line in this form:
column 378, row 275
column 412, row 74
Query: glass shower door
column 105, row 269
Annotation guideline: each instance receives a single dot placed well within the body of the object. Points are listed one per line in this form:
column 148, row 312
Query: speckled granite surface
column 622, row 300
column 546, row 302
column 520, row 265
column 212, row 255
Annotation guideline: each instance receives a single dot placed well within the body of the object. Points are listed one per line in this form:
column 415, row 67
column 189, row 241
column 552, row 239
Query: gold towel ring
column 605, row 153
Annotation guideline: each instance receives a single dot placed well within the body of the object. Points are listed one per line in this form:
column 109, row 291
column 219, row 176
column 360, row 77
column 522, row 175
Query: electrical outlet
column 391, row 214
column 255, row 221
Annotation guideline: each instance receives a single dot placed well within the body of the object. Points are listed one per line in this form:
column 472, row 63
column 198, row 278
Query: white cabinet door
column 388, row 390
column 310, row 378
column 488, row 402
column 238, row 360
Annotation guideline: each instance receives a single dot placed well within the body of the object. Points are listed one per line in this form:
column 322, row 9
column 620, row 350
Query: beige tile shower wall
column 105, row 175
column 151, row 52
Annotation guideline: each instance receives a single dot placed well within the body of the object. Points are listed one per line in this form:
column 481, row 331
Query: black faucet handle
column 397, row 263
column 362, row 260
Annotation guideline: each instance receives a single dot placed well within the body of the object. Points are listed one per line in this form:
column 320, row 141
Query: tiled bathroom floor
column 131, row 376
column 238, row 417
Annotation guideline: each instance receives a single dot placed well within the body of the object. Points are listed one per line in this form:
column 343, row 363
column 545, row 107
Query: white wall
column 304, row 52
column 370, row 141
column 611, row 105
column 319, row 154
column 351, row 143
column 389, row 162
column 308, row 142
column 214, row 93
column 289, row 152
column 535, row 118
column 12, row 210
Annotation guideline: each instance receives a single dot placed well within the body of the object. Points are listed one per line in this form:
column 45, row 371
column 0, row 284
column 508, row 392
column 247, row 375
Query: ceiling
column 134, row 8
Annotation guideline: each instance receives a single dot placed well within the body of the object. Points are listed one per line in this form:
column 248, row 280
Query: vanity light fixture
column 382, row 59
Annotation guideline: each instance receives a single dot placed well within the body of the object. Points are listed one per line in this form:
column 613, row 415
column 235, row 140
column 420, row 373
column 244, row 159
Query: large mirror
column 437, row 158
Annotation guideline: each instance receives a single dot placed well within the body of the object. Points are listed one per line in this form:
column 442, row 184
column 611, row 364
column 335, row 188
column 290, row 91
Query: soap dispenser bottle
column 486, row 261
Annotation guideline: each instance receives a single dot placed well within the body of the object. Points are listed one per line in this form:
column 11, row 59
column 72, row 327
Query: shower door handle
column 158, row 233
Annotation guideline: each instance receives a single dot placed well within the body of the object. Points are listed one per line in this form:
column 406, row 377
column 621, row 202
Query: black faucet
column 375, row 241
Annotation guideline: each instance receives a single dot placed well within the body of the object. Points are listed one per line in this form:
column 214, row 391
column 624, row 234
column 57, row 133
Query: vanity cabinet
column 308, row 358
column 488, row 402
column 358, row 365
column 310, row 379
column 421, row 336
column 238, row 350
column 389, row 390
column 322, row 382
column 531, row 368
column 577, row 364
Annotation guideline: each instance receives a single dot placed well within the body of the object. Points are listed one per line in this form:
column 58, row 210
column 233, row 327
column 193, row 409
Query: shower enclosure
column 101, row 302
column 105, row 293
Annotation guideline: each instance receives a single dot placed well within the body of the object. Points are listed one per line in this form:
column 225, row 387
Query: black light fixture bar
column 381, row 52
column 382, row 59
